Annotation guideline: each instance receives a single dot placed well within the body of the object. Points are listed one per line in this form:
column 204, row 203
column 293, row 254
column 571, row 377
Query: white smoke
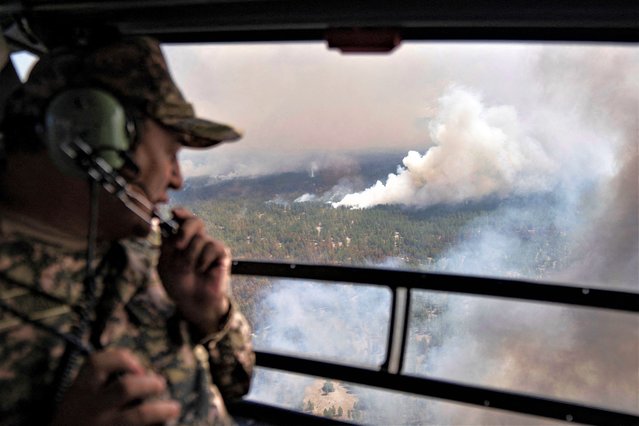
column 305, row 198
column 343, row 187
column 605, row 246
column 341, row 322
column 478, row 152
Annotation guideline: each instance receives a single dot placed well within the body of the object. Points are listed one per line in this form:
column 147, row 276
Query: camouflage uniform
column 42, row 270
column 41, row 275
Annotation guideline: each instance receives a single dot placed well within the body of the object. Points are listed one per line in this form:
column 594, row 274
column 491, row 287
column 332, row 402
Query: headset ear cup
column 92, row 116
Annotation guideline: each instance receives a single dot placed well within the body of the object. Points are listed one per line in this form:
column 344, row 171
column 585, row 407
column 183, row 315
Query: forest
column 259, row 219
column 388, row 236
column 318, row 233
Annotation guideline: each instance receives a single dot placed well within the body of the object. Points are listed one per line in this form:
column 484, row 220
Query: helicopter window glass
column 512, row 160
column 338, row 322
column 538, row 349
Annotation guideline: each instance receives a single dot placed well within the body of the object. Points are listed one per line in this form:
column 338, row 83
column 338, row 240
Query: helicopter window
column 492, row 159
column 541, row 349
column 339, row 322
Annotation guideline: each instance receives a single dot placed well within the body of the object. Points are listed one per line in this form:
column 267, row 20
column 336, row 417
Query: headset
column 94, row 117
column 90, row 126
column 88, row 134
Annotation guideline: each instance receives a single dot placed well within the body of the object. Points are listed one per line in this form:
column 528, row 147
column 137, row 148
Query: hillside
column 260, row 219
column 354, row 173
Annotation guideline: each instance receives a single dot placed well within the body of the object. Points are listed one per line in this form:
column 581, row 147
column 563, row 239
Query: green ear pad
column 92, row 116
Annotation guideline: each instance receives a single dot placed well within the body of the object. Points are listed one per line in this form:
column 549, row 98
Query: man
column 139, row 344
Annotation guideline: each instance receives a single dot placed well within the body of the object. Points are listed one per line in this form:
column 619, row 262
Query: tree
column 328, row 387
column 309, row 406
column 340, row 412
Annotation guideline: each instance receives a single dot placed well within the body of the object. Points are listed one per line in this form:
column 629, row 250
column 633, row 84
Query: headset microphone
column 101, row 172
column 168, row 225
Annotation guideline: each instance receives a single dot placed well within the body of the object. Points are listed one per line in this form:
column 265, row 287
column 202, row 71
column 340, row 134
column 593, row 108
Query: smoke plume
column 478, row 151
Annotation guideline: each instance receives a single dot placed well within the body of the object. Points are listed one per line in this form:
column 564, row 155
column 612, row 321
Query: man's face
column 159, row 171
column 156, row 156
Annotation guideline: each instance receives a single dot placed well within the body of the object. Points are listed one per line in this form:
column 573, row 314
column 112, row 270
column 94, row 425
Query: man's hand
column 112, row 388
column 195, row 270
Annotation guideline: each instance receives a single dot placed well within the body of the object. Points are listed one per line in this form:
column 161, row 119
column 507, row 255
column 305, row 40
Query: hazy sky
column 292, row 99
column 299, row 97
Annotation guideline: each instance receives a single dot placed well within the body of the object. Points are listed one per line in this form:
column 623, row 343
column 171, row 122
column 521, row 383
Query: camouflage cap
column 135, row 71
